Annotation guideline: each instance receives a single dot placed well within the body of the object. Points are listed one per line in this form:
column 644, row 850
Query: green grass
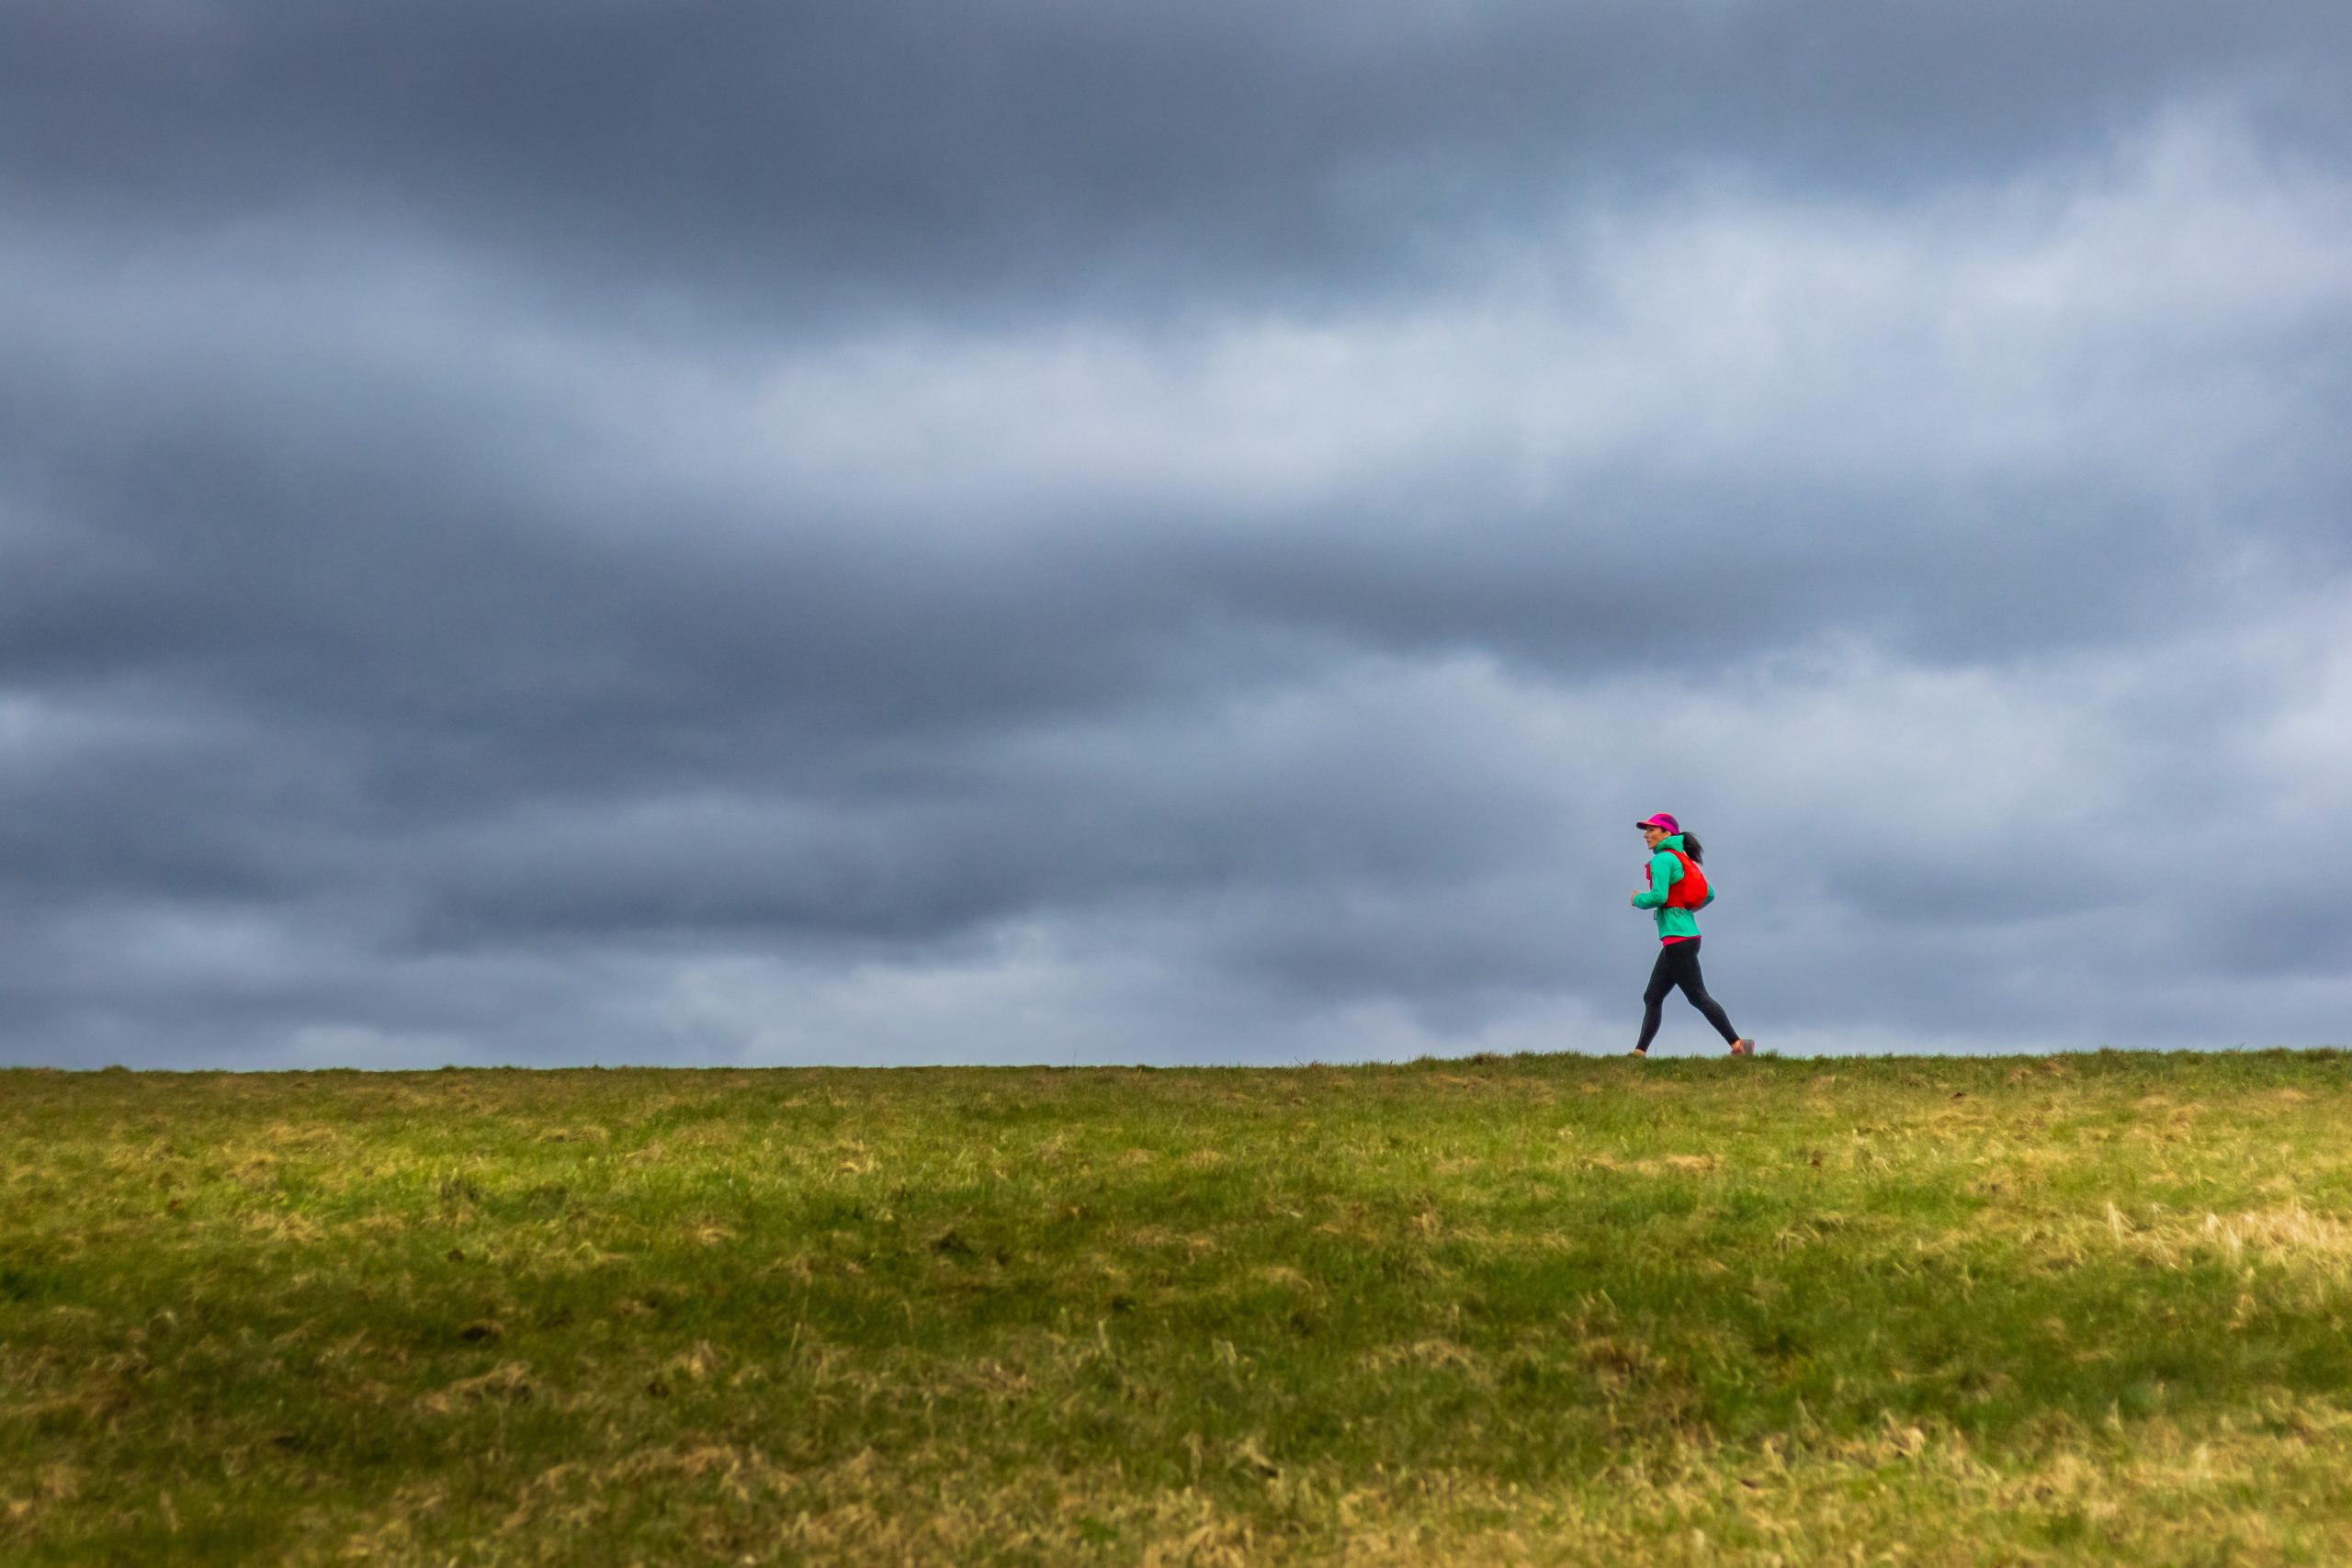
column 1536, row 1309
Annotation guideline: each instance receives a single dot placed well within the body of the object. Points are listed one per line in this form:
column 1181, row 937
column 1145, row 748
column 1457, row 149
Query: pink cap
column 1661, row 821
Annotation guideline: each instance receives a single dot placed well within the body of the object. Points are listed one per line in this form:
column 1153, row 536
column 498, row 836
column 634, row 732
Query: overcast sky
column 619, row 531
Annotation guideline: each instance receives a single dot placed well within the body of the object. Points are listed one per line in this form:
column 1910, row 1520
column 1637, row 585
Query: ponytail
column 1690, row 848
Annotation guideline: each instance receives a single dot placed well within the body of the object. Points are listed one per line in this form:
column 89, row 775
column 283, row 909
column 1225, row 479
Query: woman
column 1673, row 860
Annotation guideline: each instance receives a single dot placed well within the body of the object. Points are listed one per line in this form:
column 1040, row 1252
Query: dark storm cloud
column 634, row 531
column 903, row 154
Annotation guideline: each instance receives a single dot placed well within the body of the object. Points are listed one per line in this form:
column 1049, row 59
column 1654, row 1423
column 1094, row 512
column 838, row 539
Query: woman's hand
column 1637, row 896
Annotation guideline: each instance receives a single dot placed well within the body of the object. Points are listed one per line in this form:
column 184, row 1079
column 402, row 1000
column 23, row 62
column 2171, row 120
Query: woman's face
column 1653, row 837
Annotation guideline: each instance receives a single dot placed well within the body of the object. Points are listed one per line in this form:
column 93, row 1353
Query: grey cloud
column 892, row 534
column 863, row 157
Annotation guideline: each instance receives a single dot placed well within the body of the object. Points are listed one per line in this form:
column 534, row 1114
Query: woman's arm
column 1665, row 872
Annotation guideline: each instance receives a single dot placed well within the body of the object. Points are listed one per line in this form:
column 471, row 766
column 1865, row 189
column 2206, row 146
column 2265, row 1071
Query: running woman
column 1677, row 933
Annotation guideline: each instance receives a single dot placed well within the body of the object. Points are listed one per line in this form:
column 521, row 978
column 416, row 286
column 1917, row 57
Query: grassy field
column 1536, row 1309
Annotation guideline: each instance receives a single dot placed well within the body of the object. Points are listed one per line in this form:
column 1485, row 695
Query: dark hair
column 1690, row 848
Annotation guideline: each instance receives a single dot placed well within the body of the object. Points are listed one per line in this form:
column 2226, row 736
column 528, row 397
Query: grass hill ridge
column 1537, row 1309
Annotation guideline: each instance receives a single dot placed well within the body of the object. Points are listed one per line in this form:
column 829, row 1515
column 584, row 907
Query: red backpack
column 1692, row 891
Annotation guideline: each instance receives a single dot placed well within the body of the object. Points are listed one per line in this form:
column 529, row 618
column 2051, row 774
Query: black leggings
column 1678, row 965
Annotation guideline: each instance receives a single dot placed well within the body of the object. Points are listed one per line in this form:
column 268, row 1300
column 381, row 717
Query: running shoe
column 1743, row 1048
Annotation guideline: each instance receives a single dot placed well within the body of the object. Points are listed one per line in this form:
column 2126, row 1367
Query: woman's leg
column 1663, row 975
column 1694, row 987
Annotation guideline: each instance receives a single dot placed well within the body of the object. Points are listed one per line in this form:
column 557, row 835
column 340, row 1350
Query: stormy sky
column 619, row 531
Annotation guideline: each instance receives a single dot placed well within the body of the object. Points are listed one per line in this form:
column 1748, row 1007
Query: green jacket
column 1665, row 872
